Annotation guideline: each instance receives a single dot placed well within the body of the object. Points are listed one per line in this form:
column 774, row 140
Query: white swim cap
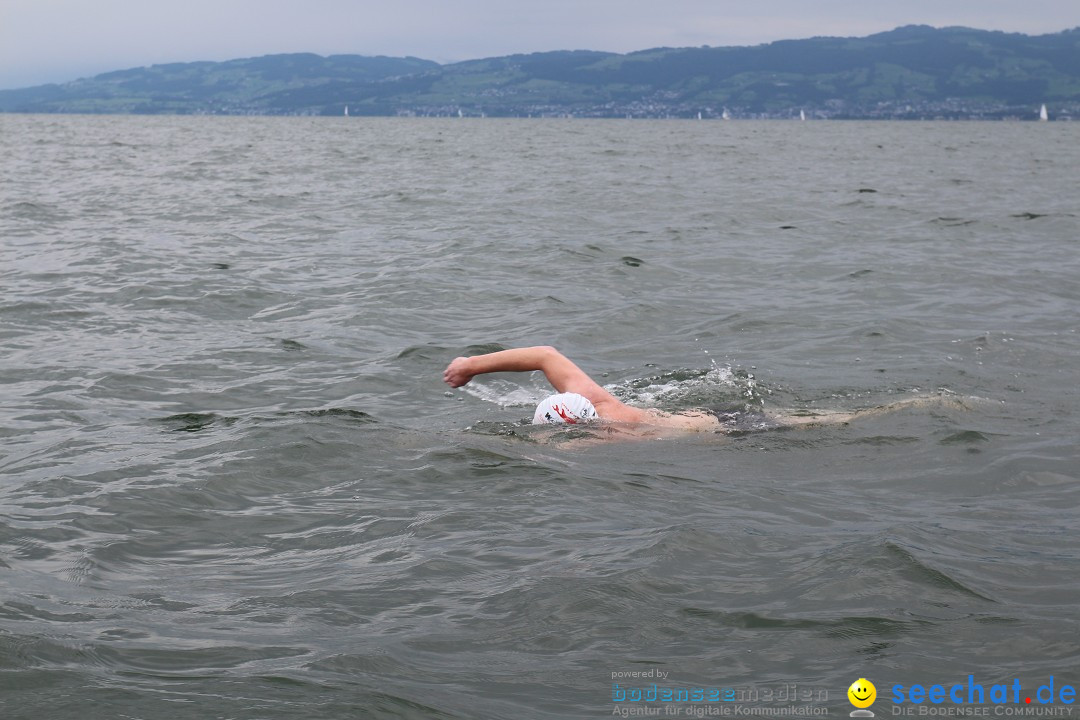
column 564, row 408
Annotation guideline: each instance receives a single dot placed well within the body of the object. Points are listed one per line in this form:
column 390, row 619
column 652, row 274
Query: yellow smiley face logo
column 862, row 693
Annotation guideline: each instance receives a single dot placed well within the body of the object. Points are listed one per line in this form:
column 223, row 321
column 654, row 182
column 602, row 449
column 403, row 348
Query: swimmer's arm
column 559, row 370
column 563, row 375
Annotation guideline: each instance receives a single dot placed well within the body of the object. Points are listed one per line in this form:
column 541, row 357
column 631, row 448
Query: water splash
column 507, row 394
column 689, row 388
column 670, row 390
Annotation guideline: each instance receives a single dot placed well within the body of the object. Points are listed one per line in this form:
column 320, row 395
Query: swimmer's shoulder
column 690, row 420
column 610, row 408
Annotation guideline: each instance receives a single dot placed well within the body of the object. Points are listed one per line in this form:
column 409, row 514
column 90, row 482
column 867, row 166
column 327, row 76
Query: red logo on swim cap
column 566, row 418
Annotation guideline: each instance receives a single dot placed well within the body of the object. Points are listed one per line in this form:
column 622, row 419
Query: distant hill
column 910, row 72
column 234, row 87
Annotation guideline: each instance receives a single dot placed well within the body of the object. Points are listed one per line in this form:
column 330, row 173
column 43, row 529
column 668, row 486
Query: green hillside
column 914, row 71
column 232, row 87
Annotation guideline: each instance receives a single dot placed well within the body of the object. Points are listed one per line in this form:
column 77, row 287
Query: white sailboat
column 725, row 115
column 1043, row 115
column 802, row 115
column 346, row 111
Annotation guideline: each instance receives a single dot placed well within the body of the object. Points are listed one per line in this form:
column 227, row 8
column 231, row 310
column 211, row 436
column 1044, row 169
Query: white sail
column 1043, row 115
column 346, row 111
column 726, row 115
column 802, row 115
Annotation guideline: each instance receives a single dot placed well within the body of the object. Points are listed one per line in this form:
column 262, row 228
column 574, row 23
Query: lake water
column 233, row 485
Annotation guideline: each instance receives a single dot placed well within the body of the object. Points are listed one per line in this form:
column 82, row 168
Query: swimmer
column 580, row 399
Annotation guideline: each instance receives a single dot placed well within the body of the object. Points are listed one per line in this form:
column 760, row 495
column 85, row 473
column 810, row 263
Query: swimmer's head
column 564, row 408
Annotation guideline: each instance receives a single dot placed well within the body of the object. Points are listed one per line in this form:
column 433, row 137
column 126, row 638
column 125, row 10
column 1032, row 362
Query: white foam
column 661, row 390
column 505, row 393
column 672, row 391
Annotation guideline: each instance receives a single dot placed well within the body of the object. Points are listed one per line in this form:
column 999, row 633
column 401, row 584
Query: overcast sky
column 58, row 40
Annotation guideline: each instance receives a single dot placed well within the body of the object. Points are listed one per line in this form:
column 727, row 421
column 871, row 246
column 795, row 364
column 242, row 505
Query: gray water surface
column 233, row 485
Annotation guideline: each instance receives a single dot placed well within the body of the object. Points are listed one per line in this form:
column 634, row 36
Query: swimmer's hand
column 457, row 372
